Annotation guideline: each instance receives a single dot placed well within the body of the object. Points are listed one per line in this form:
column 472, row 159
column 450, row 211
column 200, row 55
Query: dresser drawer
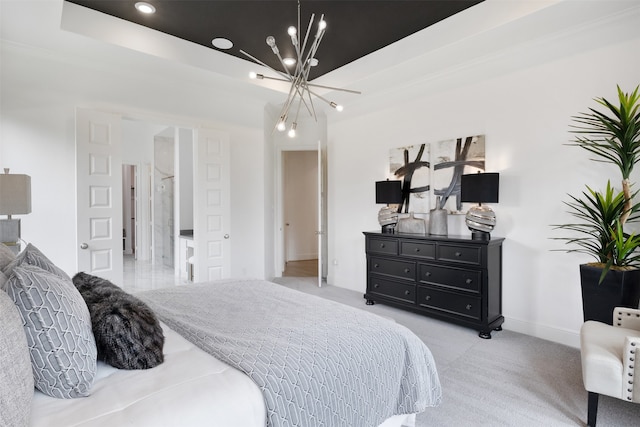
column 450, row 302
column 405, row 292
column 418, row 250
column 390, row 267
column 459, row 278
column 459, row 253
column 382, row 246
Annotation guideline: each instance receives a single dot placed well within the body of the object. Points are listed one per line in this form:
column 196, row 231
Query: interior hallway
column 304, row 268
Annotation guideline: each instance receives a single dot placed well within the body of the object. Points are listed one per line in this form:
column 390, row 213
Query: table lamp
column 480, row 188
column 15, row 199
column 389, row 193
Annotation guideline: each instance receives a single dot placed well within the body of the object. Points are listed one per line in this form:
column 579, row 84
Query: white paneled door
column 211, row 210
column 98, row 194
column 322, row 213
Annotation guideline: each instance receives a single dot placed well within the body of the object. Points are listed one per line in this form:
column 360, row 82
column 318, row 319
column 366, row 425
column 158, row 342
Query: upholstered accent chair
column 610, row 359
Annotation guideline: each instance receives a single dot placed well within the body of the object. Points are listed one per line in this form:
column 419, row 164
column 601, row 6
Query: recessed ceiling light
column 145, row 7
column 289, row 61
column 222, row 43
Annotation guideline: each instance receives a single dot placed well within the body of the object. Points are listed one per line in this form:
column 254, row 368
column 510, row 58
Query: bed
column 190, row 388
column 236, row 353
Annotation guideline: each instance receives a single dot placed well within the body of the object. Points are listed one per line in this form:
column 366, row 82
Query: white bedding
column 191, row 388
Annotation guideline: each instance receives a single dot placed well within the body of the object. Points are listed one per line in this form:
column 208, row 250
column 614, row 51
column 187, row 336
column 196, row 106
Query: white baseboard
column 561, row 336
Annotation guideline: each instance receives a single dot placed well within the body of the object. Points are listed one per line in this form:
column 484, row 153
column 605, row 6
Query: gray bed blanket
column 317, row 362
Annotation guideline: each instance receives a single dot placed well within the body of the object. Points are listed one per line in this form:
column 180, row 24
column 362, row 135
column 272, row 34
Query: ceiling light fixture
column 145, row 7
column 222, row 43
column 301, row 89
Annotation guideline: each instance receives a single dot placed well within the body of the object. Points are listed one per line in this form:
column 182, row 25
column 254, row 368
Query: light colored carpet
column 509, row 380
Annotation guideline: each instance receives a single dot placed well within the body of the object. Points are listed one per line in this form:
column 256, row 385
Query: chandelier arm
column 275, row 78
column 284, row 66
column 301, row 95
column 306, row 37
column 265, row 65
column 313, row 49
column 320, row 97
column 290, row 97
column 297, row 45
column 333, row 88
column 298, row 110
column 313, row 108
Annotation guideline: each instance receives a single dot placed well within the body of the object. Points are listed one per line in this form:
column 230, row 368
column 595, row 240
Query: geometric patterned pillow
column 33, row 256
column 58, row 329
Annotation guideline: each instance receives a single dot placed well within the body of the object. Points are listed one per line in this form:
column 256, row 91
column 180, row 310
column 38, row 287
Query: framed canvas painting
column 450, row 160
column 411, row 165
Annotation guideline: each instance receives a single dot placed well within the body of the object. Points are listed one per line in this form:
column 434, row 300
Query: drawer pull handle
column 458, row 254
column 469, row 281
column 406, row 270
column 428, row 273
column 376, row 285
column 417, row 249
column 376, row 265
column 407, row 292
column 428, row 297
column 382, row 245
column 468, row 306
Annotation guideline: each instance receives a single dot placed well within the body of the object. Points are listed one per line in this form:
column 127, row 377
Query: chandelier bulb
column 271, row 41
column 339, row 108
column 281, row 125
column 253, row 75
column 292, row 131
column 292, row 31
column 321, row 26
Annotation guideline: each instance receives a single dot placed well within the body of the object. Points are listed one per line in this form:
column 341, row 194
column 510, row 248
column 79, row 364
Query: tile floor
column 144, row 276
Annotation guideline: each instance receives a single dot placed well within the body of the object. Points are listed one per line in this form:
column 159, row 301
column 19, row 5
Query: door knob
column 226, row 236
column 84, row 246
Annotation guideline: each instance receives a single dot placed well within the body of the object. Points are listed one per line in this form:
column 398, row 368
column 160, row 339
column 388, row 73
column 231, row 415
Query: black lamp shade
column 480, row 187
column 389, row 192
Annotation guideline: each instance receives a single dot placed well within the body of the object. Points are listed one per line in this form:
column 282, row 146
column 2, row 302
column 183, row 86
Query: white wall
column 523, row 102
column 40, row 91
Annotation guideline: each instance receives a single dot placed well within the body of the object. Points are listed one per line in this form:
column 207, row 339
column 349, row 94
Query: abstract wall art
column 431, row 172
column 451, row 159
column 411, row 166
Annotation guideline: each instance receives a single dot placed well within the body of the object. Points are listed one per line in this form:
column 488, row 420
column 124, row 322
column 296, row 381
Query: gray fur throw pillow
column 127, row 332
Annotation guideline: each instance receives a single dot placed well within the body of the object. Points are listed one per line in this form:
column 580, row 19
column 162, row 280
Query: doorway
column 300, row 213
column 149, row 202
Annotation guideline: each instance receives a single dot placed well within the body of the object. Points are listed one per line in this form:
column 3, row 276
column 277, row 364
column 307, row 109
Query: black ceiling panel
column 354, row 28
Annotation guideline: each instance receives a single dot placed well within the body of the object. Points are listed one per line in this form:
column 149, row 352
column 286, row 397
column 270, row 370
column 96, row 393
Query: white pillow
column 58, row 331
column 16, row 377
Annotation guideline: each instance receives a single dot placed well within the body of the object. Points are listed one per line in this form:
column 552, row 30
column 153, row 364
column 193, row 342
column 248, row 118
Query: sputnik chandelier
column 301, row 90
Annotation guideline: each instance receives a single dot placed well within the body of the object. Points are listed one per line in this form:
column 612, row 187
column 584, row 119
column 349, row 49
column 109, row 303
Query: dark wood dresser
column 453, row 278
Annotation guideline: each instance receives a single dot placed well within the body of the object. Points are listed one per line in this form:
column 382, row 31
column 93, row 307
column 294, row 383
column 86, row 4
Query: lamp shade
column 480, row 187
column 15, row 194
column 389, row 192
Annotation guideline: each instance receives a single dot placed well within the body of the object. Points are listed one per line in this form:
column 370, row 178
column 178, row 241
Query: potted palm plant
column 613, row 279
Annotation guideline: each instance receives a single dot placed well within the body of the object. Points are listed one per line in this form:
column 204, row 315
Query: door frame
column 280, row 246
